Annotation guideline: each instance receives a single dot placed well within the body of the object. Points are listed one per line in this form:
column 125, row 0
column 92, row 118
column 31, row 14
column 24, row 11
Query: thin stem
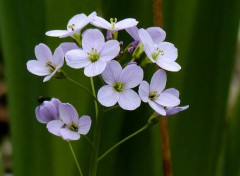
column 80, row 85
column 122, row 141
column 75, row 159
column 111, row 108
column 89, row 141
column 94, row 94
column 97, row 134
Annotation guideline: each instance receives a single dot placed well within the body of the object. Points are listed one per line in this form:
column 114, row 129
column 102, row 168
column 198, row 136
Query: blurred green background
column 204, row 139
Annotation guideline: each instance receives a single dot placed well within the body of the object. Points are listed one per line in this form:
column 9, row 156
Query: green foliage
column 205, row 34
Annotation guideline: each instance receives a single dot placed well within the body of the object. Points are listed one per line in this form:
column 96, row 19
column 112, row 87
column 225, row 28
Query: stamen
column 118, row 86
column 93, row 56
column 153, row 95
column 71, row 27
column 113, row 22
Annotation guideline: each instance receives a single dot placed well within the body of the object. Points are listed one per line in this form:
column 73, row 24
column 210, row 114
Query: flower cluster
column 62, row 119
column 106, row 56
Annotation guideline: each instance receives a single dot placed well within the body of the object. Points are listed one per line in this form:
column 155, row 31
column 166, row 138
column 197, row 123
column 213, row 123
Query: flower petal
column 38, row 68
column 68, row 113
column 92, row 16
column 84, row 124
column 93, row 39
column 131, row 76
column 43, row 53
column 158, row 108
column 169, row 100
column 170, row 51
column 158, row 81
column 147, row 43
column 69, row 135
column 112, row 72
column 143, row 91
column 95, row 68
column 110, row 50
column 55, row 126
column 172, row 91
column 57, row 33
column 47, row 111
column 77, row 58
column 107, row 96
column 157, row 34
column 168, row 65
column 175, row 110
column 58, row 57
column 100, row 22
column 124, row 24
column 133, row 31
column 77, row 22
column 129, row 100
column 67, row 46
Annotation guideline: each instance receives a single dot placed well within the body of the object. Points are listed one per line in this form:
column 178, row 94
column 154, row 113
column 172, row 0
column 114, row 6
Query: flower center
column 93, row 56
column 153, row 95
column 118, row 86
column 72, row 26
column 113, row 22
column 157, row 53
column 73, row 127
column 50, row 66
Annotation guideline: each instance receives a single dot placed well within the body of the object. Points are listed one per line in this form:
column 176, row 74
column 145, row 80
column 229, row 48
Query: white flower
column 120, row 83
column 95, row 53
column 163, row 54
column 154, row 95
column 69, row 126
column 46, row 63
column 75, row 24
column 114, row 25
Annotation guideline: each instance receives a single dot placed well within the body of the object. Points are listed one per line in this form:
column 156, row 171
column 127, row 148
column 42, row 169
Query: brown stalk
column 163, row 122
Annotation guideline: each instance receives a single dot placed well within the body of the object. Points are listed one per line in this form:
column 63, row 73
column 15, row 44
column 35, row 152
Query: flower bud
column 48, row 110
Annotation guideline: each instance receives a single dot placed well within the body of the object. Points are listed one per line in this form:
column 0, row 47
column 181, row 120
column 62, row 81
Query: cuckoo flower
column 46, row 63
column 154, row 95
column 174, row 110
column 48, row 110
column 163, row 54
column 74, row 26
column 120, row 83
column 69, row 126
column 114, row 25
column 95, row 53
column 156, row 33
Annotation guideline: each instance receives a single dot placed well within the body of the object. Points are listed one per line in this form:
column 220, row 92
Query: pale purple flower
column 174, row 110
column 95, row 53
column 156, row 33
column 69, row 126
column 114, row 25
column 46, row 63
column 48, row 110
column 74, row 26
column 154, row 95
column 164, row 54
column 120, row 83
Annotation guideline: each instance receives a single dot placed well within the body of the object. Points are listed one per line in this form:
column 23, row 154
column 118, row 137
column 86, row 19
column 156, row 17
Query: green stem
column 75, row 159
column 122, row 141
column 80, row 85
column 94, row 94
column 89, row 141
column 111, row 108
column 97, row 134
